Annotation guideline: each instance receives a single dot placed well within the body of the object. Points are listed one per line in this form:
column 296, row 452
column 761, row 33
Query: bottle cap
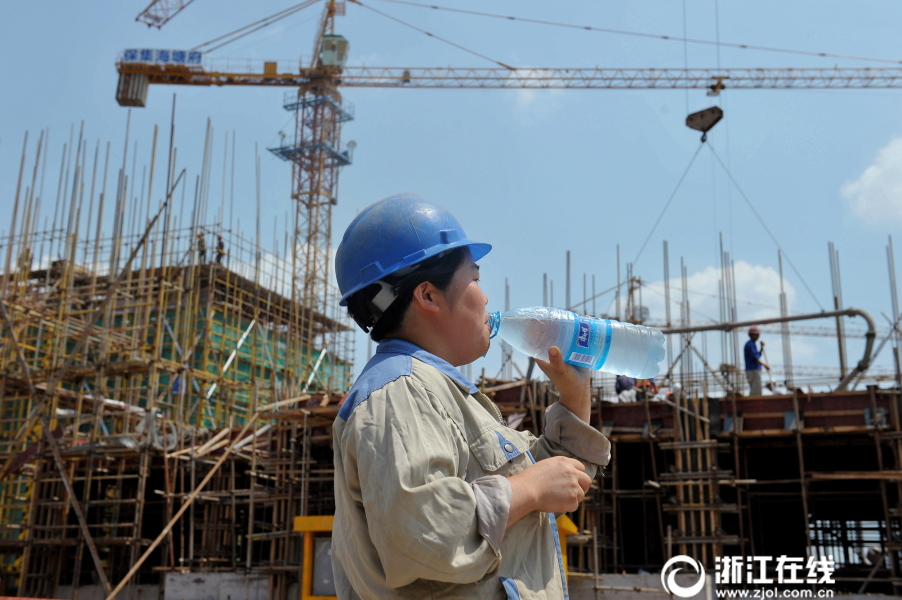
column 494, row 323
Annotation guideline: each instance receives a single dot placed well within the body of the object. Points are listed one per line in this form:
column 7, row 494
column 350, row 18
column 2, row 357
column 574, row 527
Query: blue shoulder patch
column 510, row 588
column 382, row 369
column 405, row 347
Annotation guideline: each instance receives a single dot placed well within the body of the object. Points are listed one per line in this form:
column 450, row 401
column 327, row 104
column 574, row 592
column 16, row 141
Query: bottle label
column 582, row 335
column 591, row 343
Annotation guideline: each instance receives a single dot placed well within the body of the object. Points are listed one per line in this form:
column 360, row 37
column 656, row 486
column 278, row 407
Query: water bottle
column 601, row 344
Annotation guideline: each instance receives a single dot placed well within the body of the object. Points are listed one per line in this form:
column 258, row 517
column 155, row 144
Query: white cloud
column 757, row 291
column 757, row 288
column 876, row 196
column 534, row 101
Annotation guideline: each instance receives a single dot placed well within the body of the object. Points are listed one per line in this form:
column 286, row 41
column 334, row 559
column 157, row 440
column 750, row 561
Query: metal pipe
column 567, row 285
column 544, row 289
column 784, row 329
column 667, row 301
column 617, row 295
column 862, row 365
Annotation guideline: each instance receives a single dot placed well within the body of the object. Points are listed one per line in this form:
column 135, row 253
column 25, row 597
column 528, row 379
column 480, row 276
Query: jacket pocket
column 497, row 447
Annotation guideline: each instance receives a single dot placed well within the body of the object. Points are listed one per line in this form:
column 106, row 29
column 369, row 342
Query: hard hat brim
column 395, row 234
column 477, row 251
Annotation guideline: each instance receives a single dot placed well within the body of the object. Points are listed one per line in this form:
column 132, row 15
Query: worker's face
column 754, row 336
column 467, row 314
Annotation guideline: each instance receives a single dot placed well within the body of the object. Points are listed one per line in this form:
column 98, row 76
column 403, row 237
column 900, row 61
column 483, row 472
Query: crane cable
column 646, row 35
column 715, row 296
column 432, row 35
column 667, row 204
column 257, row 25
column 763, row 224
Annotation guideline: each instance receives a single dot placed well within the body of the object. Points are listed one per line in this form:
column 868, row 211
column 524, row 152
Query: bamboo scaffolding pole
column 108, row 343
column 26, row 225
column 12, row 226
column 185, row 506
column 83, row 338
column 45, row 426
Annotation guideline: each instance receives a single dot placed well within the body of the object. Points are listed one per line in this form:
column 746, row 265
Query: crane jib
column 267, row 73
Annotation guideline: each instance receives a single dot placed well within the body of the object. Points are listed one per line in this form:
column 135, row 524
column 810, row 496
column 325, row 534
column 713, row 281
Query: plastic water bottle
column 601, row 344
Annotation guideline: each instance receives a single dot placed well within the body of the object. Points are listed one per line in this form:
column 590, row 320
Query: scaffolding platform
column 292, row 102
column 296, row 153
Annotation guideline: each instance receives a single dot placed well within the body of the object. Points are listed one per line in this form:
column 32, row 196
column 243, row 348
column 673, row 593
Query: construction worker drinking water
column 435, row 496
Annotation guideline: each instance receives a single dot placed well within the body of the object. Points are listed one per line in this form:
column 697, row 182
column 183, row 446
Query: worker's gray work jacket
column 420, row 509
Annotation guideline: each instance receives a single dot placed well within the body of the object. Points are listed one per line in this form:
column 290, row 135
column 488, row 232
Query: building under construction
column 168, row 384
column 157, row 384
column 128, row 367
column 167, row 394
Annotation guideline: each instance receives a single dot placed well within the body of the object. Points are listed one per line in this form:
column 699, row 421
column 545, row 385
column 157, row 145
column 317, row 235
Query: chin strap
column 384, row 298
column 376, row 306
column 371, row 310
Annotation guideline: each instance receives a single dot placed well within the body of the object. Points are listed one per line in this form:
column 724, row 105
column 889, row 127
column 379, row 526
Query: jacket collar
column 395, row 346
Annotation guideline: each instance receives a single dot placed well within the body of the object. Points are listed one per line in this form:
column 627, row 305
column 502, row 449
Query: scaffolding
column 185, row 401
column 149, row 367
column 798, row 475
column 167, row 393
column 806, row 474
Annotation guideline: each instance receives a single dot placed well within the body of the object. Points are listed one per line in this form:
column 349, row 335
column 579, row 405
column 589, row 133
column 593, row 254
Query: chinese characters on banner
column 157, row 56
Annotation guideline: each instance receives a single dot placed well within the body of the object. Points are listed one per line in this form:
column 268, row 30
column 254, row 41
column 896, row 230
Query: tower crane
column 316, row 153
column 159, row 12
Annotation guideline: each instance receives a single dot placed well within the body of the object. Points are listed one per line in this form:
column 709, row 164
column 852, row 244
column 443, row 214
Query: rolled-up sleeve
column 493, row 507
column 565, row 434
column 422, row 516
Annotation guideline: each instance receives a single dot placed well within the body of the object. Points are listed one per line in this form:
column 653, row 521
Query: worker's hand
column 766, row 366
column 762, row 343
column 572, row 382
column 557, row 484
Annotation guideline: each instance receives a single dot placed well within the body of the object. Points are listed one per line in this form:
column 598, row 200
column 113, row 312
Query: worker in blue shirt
column 625, row 388
column 753, row 362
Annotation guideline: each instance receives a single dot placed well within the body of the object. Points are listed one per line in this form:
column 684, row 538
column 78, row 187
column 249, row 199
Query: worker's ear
column 427, row 297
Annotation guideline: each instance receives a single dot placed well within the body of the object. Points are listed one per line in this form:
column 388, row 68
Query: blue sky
column 535, row 173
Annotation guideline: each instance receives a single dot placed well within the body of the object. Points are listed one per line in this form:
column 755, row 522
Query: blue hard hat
column 392, row 234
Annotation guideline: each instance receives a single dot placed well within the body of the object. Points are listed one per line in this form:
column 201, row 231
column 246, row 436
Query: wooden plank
column 314, row 523
column 833, row 413
column 852, row 475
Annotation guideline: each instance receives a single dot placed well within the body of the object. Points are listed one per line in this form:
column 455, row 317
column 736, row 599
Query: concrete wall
column 95, row 592
column 189, row 586
column 582, row 588
column 215, row 586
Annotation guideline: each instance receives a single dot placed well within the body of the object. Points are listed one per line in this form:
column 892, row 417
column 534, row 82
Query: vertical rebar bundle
column 129, row 368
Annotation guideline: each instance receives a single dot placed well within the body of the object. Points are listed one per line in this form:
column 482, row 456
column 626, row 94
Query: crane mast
column 315, row 158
